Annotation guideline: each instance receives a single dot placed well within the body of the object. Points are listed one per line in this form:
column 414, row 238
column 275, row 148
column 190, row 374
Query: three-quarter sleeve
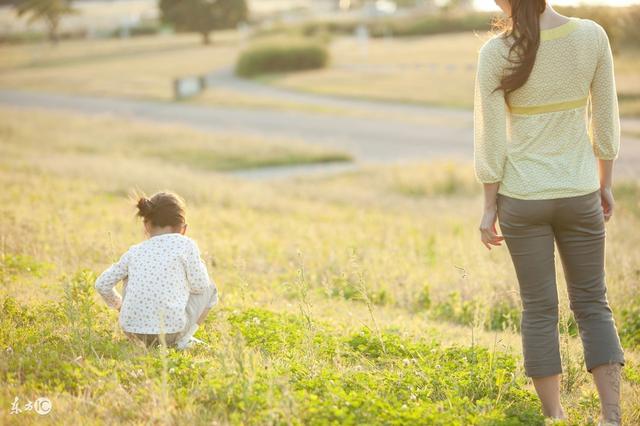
column 196, row 270
column 108, row 279
column 605, row 120
column 490, row 117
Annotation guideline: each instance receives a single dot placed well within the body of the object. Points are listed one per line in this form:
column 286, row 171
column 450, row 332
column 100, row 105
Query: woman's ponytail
column 524, row 30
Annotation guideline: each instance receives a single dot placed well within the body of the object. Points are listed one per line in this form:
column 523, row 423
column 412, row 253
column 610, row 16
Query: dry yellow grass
column 138, row 68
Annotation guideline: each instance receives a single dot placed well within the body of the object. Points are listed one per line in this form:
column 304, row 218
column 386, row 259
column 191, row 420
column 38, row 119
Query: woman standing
column 546, row 135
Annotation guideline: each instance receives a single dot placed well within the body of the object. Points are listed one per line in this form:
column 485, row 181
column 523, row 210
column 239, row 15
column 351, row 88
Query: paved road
column 444, row 133
column 226, row 79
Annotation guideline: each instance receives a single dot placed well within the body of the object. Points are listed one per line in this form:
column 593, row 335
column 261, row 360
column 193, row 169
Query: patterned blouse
column 546, row 142
column 159, row 275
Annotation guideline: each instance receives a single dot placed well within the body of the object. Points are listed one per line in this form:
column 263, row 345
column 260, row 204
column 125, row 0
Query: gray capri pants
column 576, row 224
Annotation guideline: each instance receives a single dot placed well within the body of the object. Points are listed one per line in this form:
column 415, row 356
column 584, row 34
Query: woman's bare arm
column 606, row 173
column 490, row 195
column 606, row 192
column 489, row 234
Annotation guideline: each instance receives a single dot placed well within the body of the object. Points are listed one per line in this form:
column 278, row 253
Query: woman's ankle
column 607, row 378
column 548, row 390
column 557, row 414
column 610, row 416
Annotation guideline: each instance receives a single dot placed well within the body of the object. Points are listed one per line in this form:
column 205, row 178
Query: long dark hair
column 523, row 28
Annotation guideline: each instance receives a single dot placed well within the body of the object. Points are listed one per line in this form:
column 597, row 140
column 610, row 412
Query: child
column 167, row 292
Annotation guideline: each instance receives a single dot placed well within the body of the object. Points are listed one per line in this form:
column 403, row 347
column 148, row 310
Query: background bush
column 391, row 26
column 620, row 23
column 431, row 24
column 630, row 325
column 280, row 56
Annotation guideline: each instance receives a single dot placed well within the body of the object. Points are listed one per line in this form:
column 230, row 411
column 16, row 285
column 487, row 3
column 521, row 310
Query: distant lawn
column 116, row 138
column 142, row 67
column 434, row 70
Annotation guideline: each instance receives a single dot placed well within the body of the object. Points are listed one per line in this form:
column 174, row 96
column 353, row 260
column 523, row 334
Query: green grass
column 364, row 297
column 261, row 367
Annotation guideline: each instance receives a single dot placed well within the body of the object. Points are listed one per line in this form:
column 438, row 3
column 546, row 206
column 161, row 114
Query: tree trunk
column 206, row 37
column 53, row 24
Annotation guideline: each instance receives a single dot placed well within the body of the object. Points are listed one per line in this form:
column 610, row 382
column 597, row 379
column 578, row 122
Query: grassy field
column 359, row 298
column 435, row 70
column 67, row 135
column 143, row 67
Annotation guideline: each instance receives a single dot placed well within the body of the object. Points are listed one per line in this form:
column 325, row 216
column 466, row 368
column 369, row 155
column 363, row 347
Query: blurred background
column 333, row 64
column 324, row 150
column 411, row 62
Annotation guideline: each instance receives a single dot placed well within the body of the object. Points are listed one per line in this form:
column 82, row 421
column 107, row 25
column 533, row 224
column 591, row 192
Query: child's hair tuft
column 162, row 209
column 145, row 207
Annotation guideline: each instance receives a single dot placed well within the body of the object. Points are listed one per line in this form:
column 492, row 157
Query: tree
column 49, row 11
column 203, row 16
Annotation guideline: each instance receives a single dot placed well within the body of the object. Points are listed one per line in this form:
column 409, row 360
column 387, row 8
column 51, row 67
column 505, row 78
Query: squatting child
column 167, row 291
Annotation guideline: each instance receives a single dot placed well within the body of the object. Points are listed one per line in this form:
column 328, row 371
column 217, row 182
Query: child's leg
column 151, row 340
column 197, row 309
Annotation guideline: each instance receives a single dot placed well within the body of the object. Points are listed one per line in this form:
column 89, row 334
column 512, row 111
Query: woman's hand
column 488, row 233
column 607, row 201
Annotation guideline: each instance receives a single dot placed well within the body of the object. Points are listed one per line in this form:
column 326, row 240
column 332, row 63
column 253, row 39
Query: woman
column 546, row 166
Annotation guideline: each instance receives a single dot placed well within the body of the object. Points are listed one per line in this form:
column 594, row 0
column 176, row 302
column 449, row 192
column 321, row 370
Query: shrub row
column 431, row 24
column 279, row 56
column 405, row 26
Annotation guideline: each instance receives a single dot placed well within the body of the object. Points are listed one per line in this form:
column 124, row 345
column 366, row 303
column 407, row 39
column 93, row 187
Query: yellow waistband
column 559, row 106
